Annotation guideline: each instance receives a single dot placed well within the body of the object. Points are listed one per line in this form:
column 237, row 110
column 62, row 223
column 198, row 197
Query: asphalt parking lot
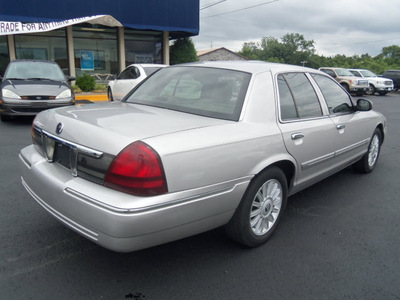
column 338, row 240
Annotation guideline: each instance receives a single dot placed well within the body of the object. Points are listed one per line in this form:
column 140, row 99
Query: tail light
column 137, row 170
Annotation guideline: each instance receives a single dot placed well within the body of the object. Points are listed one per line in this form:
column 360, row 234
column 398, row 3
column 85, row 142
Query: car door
column 353, row 132
column 307, row 129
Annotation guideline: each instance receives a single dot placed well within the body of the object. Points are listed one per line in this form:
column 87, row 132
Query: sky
column 348, row 27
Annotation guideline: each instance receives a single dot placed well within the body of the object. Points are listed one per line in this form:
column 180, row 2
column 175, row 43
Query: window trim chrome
column 89, row 151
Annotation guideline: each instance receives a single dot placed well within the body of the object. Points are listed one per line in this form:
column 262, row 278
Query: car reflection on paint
column 130, row 77
column 31, row 86
column 195, row 147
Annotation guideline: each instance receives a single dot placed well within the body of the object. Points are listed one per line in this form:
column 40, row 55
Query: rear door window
column 297, row 97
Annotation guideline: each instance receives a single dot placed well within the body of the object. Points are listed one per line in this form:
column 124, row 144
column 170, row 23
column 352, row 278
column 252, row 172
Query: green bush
column 86, row 83
column 100, row 88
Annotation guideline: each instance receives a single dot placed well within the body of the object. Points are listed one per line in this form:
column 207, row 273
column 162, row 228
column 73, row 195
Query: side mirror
column 71, row 78
column 364, row 105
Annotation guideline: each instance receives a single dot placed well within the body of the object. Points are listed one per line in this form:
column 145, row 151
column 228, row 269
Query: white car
column 377, row 84
column 129, row 78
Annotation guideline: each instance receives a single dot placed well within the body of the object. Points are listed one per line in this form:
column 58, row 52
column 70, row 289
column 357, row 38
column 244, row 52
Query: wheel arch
column 288, row 168
column 345, row 85
column 380, row 127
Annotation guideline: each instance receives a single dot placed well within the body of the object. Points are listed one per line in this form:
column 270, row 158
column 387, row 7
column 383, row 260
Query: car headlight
column 64, row 94
column 9, row 94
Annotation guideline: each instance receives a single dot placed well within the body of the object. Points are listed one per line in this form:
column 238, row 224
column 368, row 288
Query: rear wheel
column 260, row 210
column 368, row 162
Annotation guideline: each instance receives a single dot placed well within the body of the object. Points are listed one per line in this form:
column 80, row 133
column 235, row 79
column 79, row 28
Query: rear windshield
column 210, row 92
column 34, row 70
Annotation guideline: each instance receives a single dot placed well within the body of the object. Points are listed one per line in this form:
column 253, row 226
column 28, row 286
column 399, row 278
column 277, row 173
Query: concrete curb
column 91, row 97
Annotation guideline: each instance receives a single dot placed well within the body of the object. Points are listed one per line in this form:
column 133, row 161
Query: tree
column 183, row 51
column 292, row 49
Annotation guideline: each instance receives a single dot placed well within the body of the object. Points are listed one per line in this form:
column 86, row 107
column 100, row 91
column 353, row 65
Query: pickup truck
column 377, row 84
column 351, row 83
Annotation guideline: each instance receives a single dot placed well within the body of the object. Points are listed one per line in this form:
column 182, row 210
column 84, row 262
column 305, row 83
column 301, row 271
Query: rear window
column 210, row 92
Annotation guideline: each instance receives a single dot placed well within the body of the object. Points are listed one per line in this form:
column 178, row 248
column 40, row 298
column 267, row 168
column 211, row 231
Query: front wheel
column 371, row 90
column 110, row 95
column 368, row 162
column 5, row 118
column 260, row 210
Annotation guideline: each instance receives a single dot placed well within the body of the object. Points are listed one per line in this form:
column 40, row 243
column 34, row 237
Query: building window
column 95, row 48
column 143, row 46
column 4, row 57
column 43, row 46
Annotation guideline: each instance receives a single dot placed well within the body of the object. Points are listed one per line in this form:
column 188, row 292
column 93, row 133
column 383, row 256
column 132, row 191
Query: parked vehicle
column 395, row 76
column 195, row 147
column 377, row 84
column 30, row 86
column 129, row 78
column 351, row 83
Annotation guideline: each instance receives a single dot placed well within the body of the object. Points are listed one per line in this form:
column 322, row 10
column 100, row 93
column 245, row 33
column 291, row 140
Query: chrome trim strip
column 321, row 159
column 91, row 200
column 86, row 150
column 352, row 147
column 318, row 160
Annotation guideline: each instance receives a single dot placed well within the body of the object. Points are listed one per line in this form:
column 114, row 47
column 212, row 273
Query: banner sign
column 7, row 28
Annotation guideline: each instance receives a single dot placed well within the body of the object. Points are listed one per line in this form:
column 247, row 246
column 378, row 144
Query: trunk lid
column 110, row 127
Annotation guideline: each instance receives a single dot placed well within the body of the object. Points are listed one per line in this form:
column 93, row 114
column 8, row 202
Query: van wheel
column 260, row 210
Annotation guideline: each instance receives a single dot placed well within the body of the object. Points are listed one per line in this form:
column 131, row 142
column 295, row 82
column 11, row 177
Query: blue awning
column 179, row 17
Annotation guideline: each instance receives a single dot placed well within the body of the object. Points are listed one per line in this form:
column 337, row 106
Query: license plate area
column 66, row 156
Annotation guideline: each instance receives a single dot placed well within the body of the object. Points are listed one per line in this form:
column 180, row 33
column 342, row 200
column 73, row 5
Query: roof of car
column 333, row 68
column 32, row 60
column 147, row 65
column 251, row 66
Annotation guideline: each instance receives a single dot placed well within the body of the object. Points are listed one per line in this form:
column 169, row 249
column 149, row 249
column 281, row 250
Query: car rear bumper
column 123, row 222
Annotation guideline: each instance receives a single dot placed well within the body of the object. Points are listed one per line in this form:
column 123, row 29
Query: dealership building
column 94, row 36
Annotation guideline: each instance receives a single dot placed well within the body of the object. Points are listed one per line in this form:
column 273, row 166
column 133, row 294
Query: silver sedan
column 195, row 147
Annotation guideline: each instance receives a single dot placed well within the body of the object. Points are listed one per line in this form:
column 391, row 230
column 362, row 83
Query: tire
column 5, row 118
column 110, row 95
column 371, row 90
column 260, row 209
column 382, row 93
column 368, row 162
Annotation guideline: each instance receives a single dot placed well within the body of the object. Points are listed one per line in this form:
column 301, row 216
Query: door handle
column 297, row 135
column 340, row 126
